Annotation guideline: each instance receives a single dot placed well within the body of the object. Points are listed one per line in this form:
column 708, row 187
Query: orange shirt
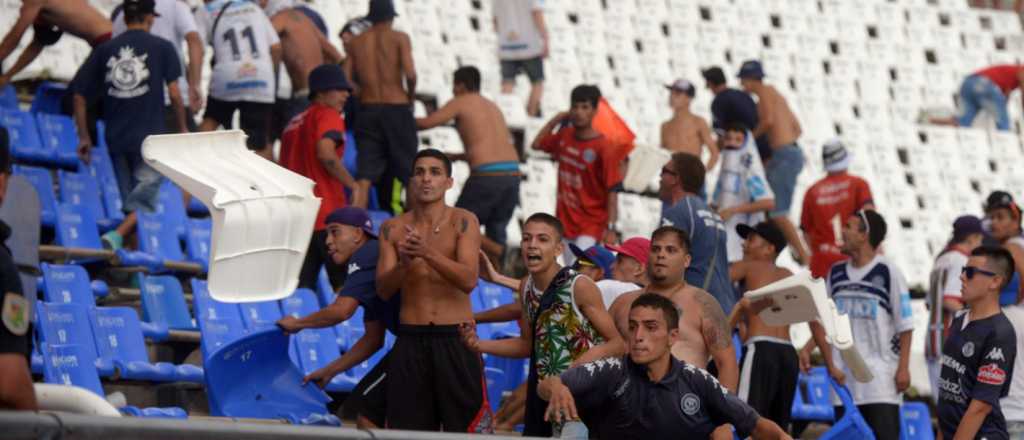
column 827, row 204
column 587, row 171
column 298, row 153
column 1004, row 76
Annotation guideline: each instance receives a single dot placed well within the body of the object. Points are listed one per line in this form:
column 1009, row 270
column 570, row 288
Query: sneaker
column 112, row 241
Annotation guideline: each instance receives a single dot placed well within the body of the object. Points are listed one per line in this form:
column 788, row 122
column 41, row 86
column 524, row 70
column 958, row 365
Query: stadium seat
column 42, row 181
column 59, row 140
column 513, row 371
column 70, row 284
column 48, row 98
column 24, row 136
column 852, row 425
column 350, row 378
column 351, row 153
column 351, row 330
column 157, row 240
column 163, row 302
column 253, row 377
column 8, row 97
column 102, row 171
column 378, row 218
column 76, row 228
column 197, row 242
column 916, row 421
column 208, row 308
column 216, row 333
column 491, row 296
column 813, row 400
column 324, row 291
column 119, row 339
column 82, row 190
column 171, row 208
column 315, row 347
column 259, row 316
column 197, row 208
column 69, row 324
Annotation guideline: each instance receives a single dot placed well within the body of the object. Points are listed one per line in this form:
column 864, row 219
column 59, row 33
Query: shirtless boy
column 492, row 190
column 431, row 254
column 768, row 350
column 686, row 132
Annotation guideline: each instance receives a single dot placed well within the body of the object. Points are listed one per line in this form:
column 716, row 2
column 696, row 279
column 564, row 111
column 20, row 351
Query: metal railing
column 21, row 425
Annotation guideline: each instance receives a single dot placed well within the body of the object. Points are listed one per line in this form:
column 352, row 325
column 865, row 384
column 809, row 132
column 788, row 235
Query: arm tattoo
column 713, row 324
column 465, row 225
column 384, row 232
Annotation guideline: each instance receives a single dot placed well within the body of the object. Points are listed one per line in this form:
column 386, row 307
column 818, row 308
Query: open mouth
column 533, row 258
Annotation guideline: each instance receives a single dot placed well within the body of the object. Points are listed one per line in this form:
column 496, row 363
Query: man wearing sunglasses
column 597, row 262
column 979, row 353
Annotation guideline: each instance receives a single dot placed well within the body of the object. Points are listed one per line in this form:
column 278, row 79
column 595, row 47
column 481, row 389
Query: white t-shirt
column 518, row 36
column 611, row 289
column 1013, row 403
column 877, row 300
column 241, row 49
column 944, row 282
column 741, row 180
column 173, row 24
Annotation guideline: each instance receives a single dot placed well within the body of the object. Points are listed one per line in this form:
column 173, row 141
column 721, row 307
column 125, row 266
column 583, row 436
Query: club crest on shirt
column 991, row 374
column 15, row 314
column 127, row 72
column 968, row 349
column 589, row 155
column 690, row 404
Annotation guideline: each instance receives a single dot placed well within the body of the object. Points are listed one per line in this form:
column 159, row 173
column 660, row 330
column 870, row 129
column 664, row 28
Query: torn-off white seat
column 263, row 214
column 800, row 298
column 644, row 163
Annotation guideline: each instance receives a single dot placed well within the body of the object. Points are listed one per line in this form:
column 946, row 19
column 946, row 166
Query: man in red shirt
column 312, row 145
column 828, row 203
column 987, row 89
column 588, row 170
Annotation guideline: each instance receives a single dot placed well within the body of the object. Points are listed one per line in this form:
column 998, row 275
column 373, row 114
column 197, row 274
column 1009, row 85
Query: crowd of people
column 625, row 336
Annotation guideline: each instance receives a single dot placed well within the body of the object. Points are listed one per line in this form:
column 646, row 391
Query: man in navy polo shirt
column 128, row 74
column 352, row 243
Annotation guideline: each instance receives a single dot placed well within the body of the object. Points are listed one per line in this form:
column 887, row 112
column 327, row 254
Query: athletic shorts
column 492, row 198
column 369, row 398
column 769, row 370
column 782, row 171
column 883, row 418
column 532, row 67
column 386, row 140
column 254, row 118
column 435, row 383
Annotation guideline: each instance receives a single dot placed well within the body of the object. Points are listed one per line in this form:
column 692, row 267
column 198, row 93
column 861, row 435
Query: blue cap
column 751, row 69
column 328, row 77
column 381, row 10
column 966, row 225
column 351, row 216
column 599, row 255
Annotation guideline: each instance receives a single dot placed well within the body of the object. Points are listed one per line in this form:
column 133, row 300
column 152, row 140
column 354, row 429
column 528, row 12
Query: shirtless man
column 303, row 48
column 431, row 254
column 777, row 121
column 492, row 190
column 686, row 132
column 385, row 131
column 49, row 20
column 768, row 350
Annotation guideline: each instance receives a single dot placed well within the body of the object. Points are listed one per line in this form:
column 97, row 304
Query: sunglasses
column 970, row 271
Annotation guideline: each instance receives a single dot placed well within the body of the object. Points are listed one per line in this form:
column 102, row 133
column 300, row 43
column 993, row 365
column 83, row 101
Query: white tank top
column 241, row 50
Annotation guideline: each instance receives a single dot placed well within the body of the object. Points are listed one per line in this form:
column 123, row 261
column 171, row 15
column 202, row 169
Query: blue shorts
column 782, row 170
column 980, row 93
column 138, row 182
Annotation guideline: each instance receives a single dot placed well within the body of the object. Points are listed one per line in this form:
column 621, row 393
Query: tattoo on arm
column 713, row 324
column 384, row 231
column 465, row 224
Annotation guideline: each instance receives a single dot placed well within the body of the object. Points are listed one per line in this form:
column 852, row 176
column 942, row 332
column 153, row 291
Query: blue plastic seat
column 254, row 377
column 76, row 227
column 513, row 374
column 217, row 333
column 119, row 338
column 378, row 218
column 351, row 330
column 68, row 283
column 259, row 316
column 916, row 421
column 59, row 139
column 208, row 308
column 101, row 169
column 324, row 291
column 157, row 237
column 42, row 181
column 197, row 243
column 492, row 295
column 23, row 134
column 314, row 347
column 48, row 97
column 171, row 207
column 8, row 97
column 813, row 399
column 163, row 302
column 355, row 374
column 81, row 190
column 852, row 425
column 197, row 208
column 69, row 324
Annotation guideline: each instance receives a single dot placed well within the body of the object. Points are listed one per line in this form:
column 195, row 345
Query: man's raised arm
column 390, row 273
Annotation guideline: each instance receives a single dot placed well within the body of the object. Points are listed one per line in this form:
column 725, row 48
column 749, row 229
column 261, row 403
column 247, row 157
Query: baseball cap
column 381, row 10
column 351, row 216
column 765, row 230
column 636, row 247
column 751, row 69
column 139, row 7
column 714, row 75
column 684, row 86
column 596, row 254
column 328, row 77
column 835, row 156
column 998, row 199
column 966, row 225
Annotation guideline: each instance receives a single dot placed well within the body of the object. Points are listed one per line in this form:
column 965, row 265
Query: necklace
column 437, row 226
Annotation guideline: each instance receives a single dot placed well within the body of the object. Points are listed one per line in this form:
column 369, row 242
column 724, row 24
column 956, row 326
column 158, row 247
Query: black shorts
column 492, row 199
column 532, row 67
column 435, row 383
column 883, row 418
column 769, row 370
column 284, row 110
column 369, row 398
column 171, row 120
column 386, row 140
column 254, row 118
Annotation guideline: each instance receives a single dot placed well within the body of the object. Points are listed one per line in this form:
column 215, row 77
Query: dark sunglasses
column 970, row 271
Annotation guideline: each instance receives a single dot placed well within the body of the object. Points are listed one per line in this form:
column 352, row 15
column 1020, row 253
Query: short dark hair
column 658, row 302
column 689, row 170
column 684, row 238
column 714, row 75
column 436, row 154
column 548, row 219
column 585, row 93
column 469, row 77
column 999, row 259
column 134, row 18
column 736, row 126
column 872, row 222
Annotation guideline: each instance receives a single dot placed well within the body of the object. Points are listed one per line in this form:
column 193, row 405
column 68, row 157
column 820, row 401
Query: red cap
column 636, row 247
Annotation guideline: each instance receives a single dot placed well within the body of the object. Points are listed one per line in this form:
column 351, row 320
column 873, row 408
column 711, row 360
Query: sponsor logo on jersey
column 991, row 374
column 948, row 361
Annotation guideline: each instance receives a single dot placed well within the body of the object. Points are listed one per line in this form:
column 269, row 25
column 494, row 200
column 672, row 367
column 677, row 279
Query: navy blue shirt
column 977, row 364
column 127, row 75
column 616, row 399
column 733, row 106
column 707, row 248
column 361, row 284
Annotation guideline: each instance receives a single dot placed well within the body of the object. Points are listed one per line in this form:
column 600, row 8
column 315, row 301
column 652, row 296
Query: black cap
column 381, row 10
column 751, row 69
column 767, row 231
column 714, row 75
column 140, row 7
column 998, row 199
column 965, row 226
column 328, row 77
